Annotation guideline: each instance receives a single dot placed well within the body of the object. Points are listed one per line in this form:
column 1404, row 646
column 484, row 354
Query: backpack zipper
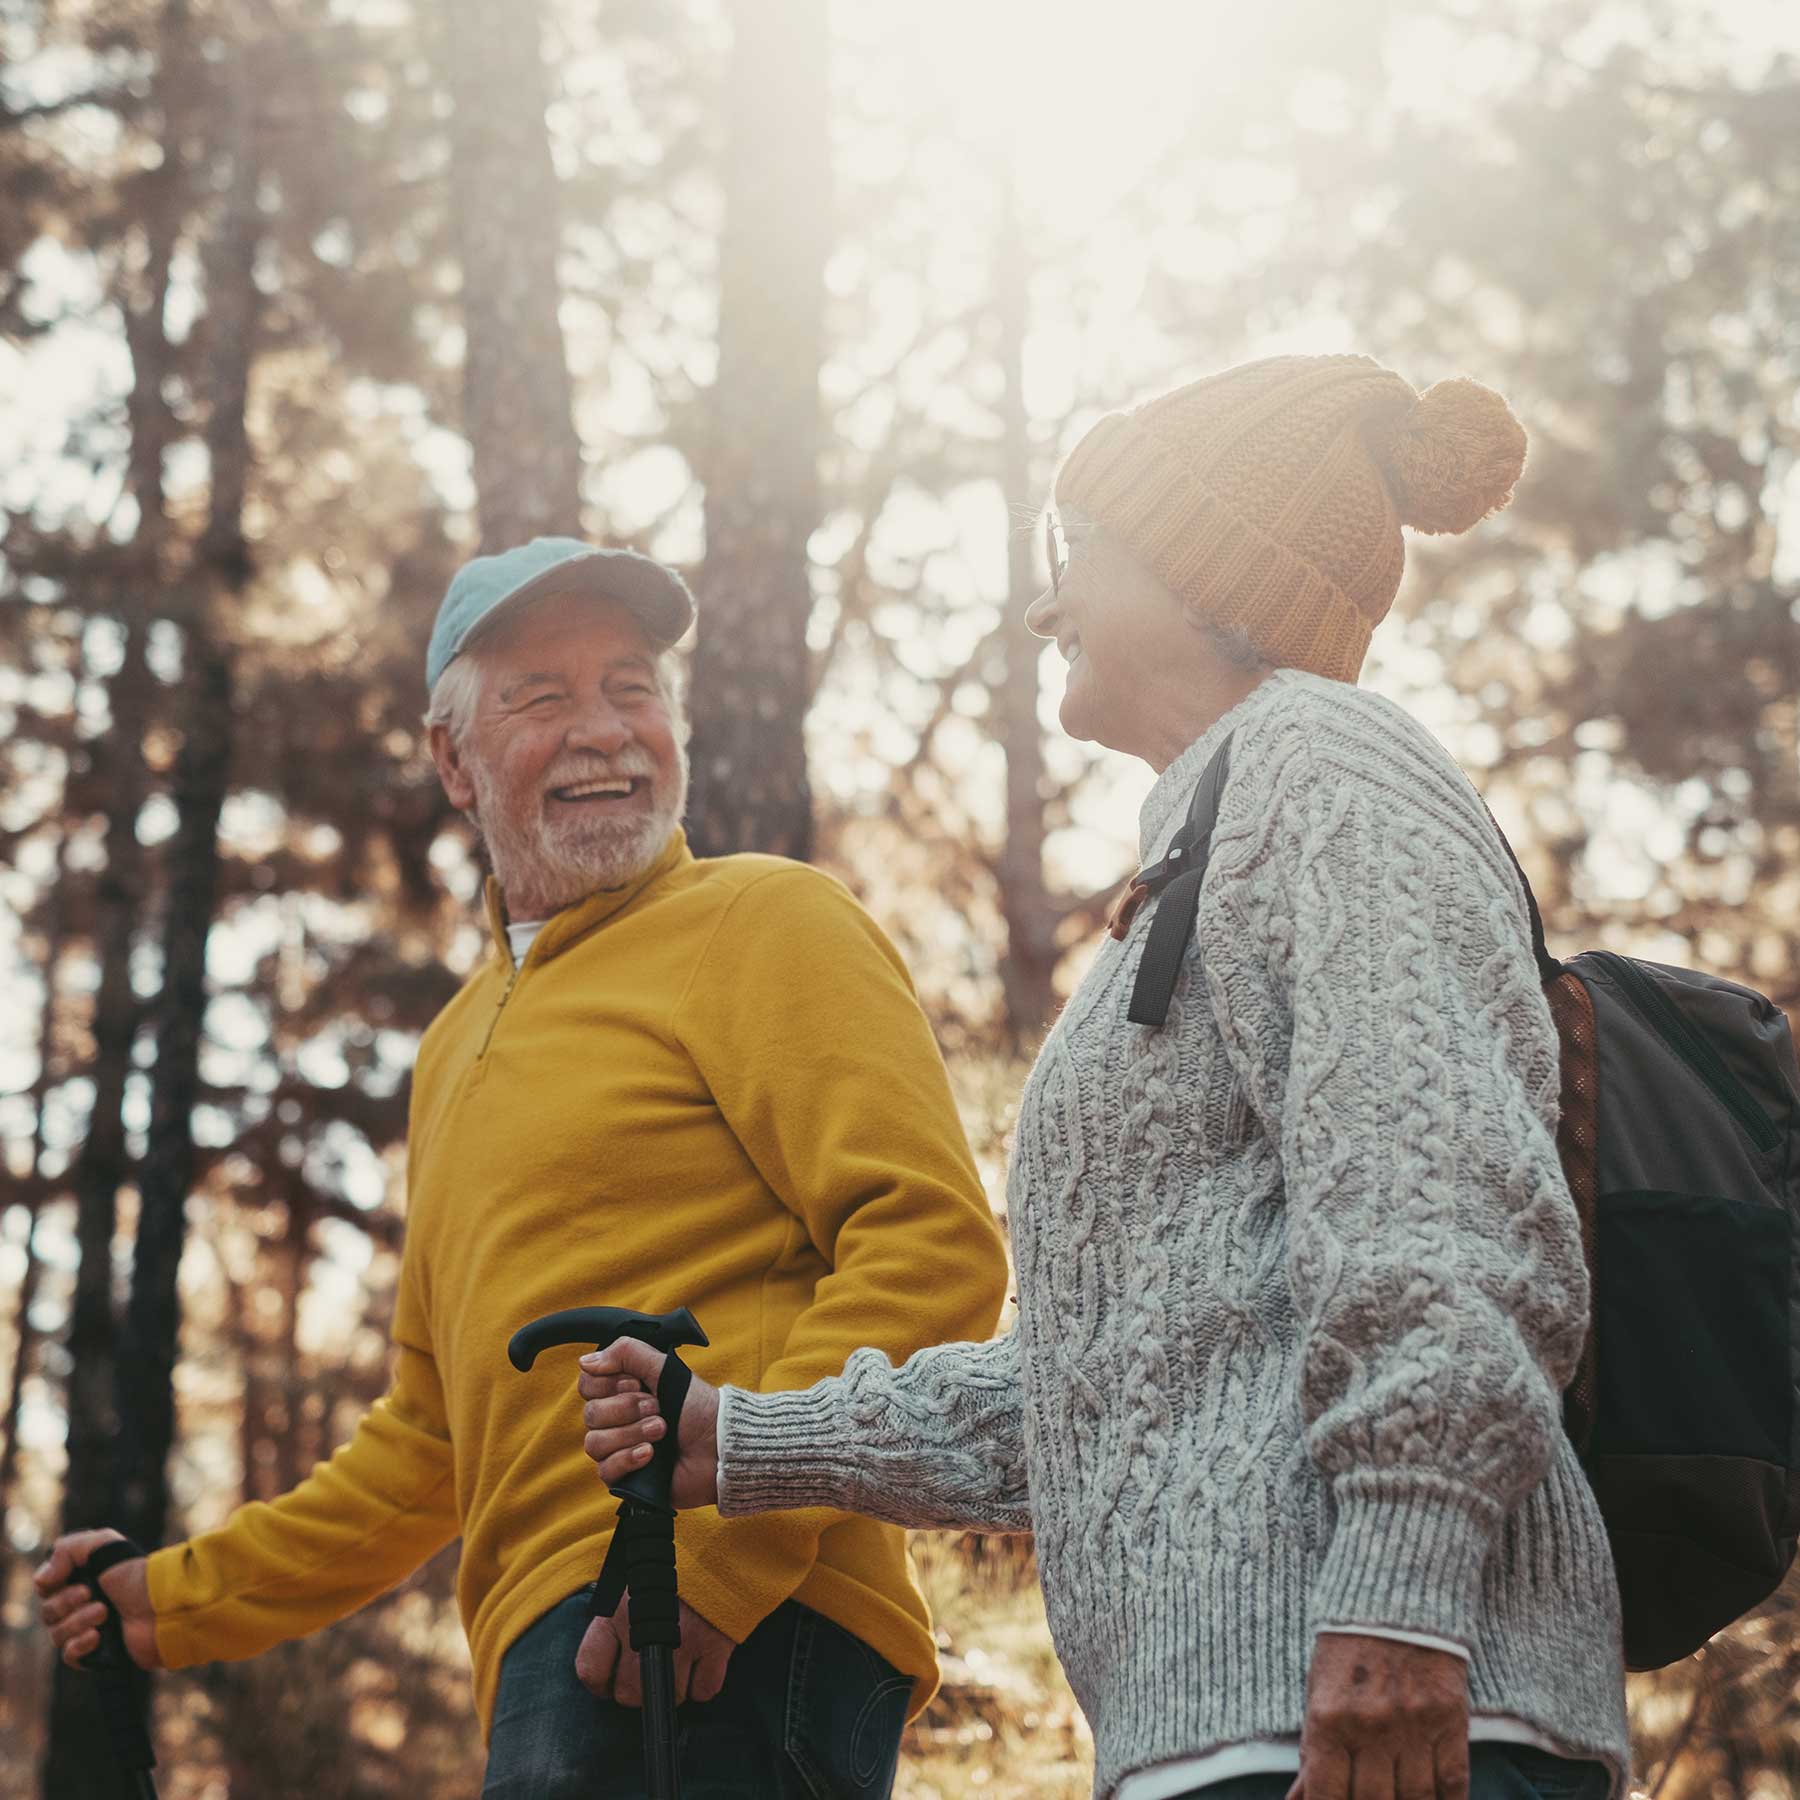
column 1660, row 1013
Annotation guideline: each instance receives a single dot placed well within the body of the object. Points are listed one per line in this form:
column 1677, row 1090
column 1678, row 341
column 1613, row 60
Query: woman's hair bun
column 1453, row 456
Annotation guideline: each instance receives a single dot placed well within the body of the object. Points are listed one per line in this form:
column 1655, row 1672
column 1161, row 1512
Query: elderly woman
column 1300, row 1280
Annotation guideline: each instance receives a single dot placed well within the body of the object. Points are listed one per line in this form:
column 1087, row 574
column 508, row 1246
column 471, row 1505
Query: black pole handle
column 603, row 1326
column 122, row 1687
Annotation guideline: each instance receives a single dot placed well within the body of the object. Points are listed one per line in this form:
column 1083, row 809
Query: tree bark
column 200, row 778
column 517, row 406
column 24, row 1343
column 751, row 677
column 76, row 1759
column 102, row 1164
column 153, row 1319
column 25, row 1337
column 1027, row 969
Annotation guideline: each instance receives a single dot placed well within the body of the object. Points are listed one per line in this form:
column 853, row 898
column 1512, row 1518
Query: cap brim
column 655, row 596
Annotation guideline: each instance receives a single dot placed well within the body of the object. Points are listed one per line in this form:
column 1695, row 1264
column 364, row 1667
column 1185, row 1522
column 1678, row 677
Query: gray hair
column 1234, row 646
column 453, row 698
column 459, row 687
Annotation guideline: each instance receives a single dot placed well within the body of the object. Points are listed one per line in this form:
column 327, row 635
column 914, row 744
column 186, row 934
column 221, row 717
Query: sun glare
column 1082, row 98
column 1085, row 99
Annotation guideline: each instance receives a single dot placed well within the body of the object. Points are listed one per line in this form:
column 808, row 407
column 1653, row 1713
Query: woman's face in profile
column 1114, row 624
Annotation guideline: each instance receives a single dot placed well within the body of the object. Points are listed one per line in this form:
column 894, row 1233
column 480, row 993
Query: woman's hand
column 618, row 1385
column 1384, row 1721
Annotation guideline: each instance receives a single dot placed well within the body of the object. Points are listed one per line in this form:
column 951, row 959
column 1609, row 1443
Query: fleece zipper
column 512, row 981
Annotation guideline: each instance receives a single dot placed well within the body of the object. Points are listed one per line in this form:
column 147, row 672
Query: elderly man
column 676, row 1081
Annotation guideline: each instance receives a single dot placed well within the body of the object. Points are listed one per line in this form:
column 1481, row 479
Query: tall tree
column 198, row 785
column 104, row 1163
column 76, row 1757
column 751, row 676
column 516, row 399
column 24, row 1331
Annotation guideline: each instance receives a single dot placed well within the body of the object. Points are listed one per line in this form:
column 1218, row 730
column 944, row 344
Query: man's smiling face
column 571, row 765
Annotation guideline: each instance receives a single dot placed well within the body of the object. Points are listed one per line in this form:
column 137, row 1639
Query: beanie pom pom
column 1453, row 456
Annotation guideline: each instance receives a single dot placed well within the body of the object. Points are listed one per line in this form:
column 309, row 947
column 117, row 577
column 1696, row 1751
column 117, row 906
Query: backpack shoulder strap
column 1175, row 881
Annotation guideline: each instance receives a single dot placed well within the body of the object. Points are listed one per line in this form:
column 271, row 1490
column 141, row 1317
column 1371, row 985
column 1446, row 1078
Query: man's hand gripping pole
column 642, row 1555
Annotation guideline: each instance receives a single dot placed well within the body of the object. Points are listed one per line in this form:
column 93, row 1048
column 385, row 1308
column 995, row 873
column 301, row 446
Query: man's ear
column 453, row 769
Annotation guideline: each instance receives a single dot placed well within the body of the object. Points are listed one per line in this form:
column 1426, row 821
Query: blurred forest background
column 303, row 300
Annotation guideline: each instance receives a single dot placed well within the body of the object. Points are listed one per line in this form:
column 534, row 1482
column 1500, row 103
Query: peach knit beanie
column 1270, row 498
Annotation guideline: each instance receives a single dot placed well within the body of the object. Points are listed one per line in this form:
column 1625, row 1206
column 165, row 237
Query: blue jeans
column 807, row 1712
column 1496, row 1772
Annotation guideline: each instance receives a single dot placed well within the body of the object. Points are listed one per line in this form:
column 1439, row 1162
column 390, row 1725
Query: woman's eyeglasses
column 1056, row 550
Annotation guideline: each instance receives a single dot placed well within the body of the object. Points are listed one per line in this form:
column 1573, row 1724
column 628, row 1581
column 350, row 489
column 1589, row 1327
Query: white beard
column 544, row 865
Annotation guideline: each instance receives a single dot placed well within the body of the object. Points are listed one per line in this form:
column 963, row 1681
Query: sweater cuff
column 784, row 1450
column 1406, row 1552
column 1420, row 1640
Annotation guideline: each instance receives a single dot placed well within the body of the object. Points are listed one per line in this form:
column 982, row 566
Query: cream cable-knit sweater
column 1300, row 1281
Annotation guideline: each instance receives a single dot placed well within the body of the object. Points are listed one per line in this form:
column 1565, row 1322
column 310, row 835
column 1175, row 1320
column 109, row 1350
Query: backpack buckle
column 1145, row 883
column 1126, row 907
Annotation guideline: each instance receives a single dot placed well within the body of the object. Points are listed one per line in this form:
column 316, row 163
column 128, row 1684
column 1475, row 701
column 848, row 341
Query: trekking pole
column 123, row 1688
column 642, row 1555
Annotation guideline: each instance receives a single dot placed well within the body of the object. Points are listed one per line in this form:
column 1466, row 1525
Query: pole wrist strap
column 123, row 1688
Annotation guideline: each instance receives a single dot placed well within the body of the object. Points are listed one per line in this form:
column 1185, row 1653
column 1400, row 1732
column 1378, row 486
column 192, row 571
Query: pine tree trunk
column 103, row 1163
column 24, row 1335
column 24, row 1344
column 77, row 1758
column 517, row 406
column 1029, row 964
column 291, row 1255
column 751, row 675
column 201, row 773
column 153, row 1319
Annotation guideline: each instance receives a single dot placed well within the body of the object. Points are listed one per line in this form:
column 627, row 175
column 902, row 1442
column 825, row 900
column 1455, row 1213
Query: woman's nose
column 1041, row 614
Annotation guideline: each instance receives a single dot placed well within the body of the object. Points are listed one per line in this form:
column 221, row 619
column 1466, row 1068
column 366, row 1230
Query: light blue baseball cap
column 654, row 595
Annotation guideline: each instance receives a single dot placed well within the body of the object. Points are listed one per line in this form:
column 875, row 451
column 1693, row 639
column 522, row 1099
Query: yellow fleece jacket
column 713, row 1088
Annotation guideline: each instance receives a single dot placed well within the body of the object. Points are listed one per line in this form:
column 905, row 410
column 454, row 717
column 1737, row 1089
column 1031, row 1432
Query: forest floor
column 1004, row 1725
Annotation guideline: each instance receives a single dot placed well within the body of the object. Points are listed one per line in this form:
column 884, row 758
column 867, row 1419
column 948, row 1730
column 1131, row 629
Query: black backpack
column 1680, row 1139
